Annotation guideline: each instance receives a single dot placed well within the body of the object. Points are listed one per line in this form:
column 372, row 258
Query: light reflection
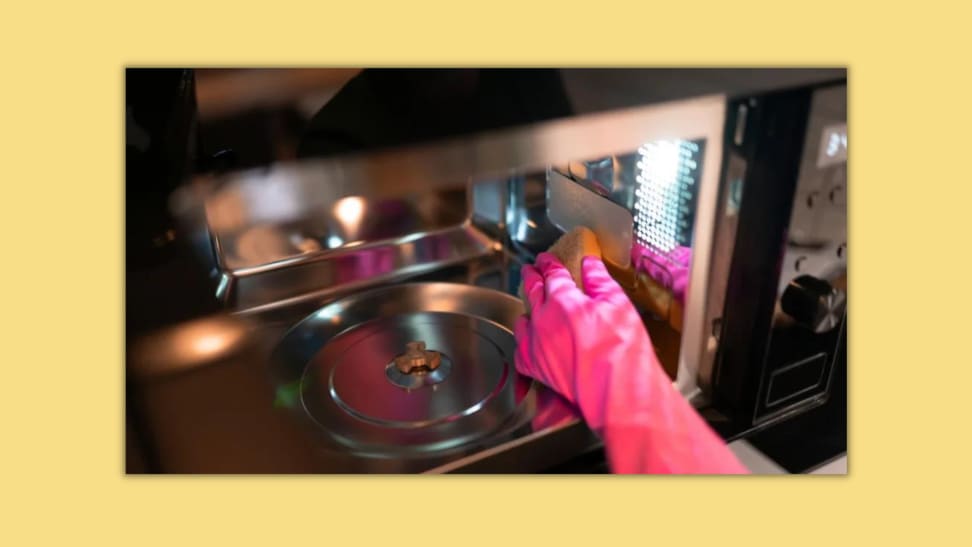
column 665, row 174
column 272, row 196
column 349, row 212
column 208, row 344
column 657, row 206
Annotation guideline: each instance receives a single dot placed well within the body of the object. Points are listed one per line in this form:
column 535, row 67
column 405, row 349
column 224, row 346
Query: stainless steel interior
column 272, row 243
column 279, row 198
column 349, row 222
column 322, row 255
column 219, row 401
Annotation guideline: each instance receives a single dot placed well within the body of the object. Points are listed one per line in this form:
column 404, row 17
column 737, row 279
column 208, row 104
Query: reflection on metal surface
column 417, row 360
column 211, row 343
column 414, row 379
column 266, row 241
column 261, row 244
column 349, row 211
column 266, row 257
column 191, row 345
column 340, row 356
column 355, row 267
column 209, row 442
column 670, row 270
column 666, row 185
column 529, row 227
column 600, row 174
column 308, row 245
column 287, row 395
column 570, row 205
column 724, row 242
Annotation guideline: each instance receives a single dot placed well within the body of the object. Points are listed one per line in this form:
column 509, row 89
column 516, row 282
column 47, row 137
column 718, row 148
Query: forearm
column 651, row 428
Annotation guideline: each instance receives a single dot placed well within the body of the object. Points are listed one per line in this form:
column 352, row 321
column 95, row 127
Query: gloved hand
column 593, row 349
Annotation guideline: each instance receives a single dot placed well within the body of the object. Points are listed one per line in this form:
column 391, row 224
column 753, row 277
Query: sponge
column 571, row 249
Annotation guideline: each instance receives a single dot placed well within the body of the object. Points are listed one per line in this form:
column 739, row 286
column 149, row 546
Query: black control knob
column 813, row 303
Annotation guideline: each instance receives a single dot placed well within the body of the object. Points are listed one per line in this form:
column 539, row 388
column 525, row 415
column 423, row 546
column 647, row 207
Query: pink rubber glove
column 670, row 269
column 593, row 349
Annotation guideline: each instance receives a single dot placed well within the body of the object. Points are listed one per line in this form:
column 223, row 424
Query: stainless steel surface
column 570, row 205
column 354, row 267
column 667, row 188
column 191, row 345
column 336, row 362
column 818, row 225
column 224, row 415
column 355, row 241
column 488, row 202
column 530, row 229
column 724, row 243
column 349, row 222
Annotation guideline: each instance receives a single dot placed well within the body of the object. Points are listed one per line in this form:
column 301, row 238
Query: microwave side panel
column 805, row 340
column 775, row 132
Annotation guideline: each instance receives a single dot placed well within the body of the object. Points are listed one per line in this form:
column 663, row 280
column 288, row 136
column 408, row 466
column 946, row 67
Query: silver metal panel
column 571, row 205
column 354, row 268
column 818, row 224
column 724, row 243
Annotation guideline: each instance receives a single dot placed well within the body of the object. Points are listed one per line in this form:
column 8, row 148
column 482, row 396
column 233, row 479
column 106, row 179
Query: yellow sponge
column 571, row 249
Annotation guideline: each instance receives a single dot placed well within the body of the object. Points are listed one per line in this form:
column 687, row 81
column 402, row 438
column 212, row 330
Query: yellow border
column 62, row 225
